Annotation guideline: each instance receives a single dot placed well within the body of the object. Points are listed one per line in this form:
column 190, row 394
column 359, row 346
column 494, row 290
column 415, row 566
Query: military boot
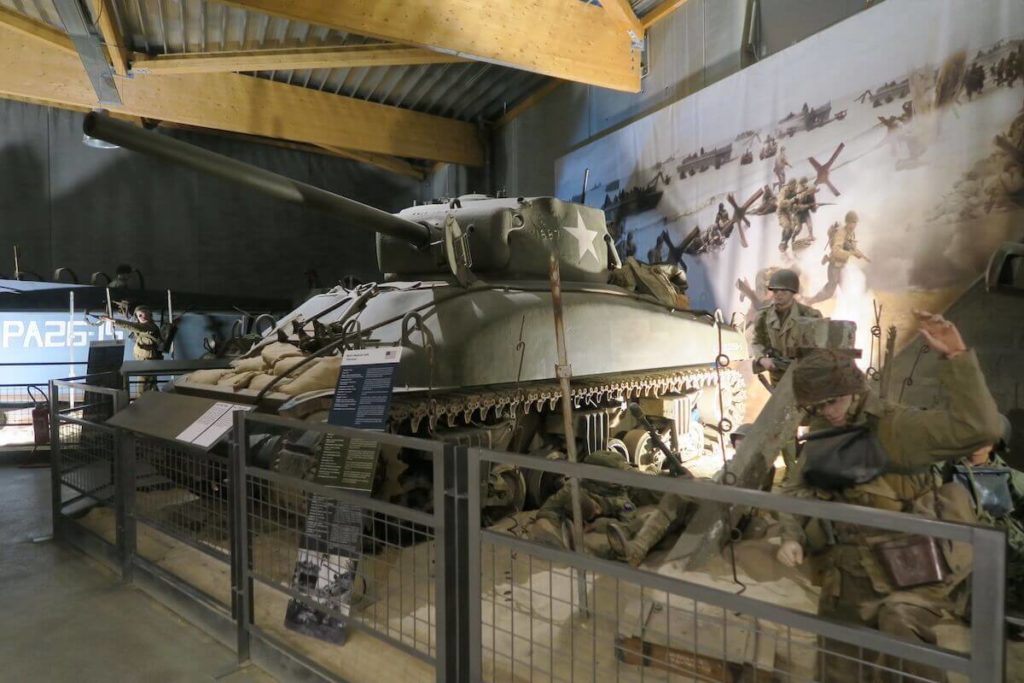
column 547, row 531
column 618, row 538
column 653, row 530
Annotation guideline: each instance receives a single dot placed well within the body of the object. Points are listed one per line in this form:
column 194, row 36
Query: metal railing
column 373, row 565
column 84, row 467
column 470, row 602
column 17, row 402
column 528, row 622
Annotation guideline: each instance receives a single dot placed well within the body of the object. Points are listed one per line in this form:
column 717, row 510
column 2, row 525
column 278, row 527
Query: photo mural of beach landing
column 881, row 159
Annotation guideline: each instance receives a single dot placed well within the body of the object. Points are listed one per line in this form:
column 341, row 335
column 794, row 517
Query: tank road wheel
column 642, row 451
column 734, row 402
column 618, row 446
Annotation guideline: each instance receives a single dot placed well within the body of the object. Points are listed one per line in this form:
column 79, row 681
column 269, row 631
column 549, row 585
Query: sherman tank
column 466, row 297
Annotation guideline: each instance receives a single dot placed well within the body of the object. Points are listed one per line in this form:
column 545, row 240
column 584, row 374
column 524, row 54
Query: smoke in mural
column 881, row 159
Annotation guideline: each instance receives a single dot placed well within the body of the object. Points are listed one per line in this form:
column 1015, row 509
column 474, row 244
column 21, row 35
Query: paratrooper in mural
column 842, row 246
column 786, row 213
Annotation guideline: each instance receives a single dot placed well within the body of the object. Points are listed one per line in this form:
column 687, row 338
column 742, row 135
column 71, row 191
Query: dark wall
column 66, row 204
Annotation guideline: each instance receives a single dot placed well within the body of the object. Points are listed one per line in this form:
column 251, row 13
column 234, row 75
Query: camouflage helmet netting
column 825, row 374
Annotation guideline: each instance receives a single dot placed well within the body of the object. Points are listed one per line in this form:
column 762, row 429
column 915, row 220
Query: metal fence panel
column 184, row 493
column 529, row 623
column 84, row 452
column 17, row 402
column 371, row 564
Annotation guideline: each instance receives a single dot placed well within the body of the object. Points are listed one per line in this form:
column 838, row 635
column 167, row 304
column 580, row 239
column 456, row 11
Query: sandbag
column 288, row 363
column 261, row 380
column 208, row 376
column 247, row 364
column 237, row 380
column 274, row 352
column 322, row 374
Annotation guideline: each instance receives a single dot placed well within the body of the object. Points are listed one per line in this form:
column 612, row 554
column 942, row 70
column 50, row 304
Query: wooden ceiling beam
column 660, row 12
column 241, row 104
column 36, row 31
column 626, row 14
column 568, row 39
column 388, row 163
column 341, row 57
column 117, row 49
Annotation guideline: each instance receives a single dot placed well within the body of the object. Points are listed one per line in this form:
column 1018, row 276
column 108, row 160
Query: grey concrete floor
column 65, row 617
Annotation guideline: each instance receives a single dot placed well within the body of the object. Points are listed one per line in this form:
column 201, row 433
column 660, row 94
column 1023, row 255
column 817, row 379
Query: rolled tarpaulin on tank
column 132, row 137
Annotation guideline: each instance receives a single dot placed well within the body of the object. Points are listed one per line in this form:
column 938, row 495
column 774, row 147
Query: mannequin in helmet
column 773, row 345
column 147, row 338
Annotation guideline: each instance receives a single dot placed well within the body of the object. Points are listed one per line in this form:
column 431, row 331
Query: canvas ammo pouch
column 990, row 487
column 913, row 561
column 835, row 459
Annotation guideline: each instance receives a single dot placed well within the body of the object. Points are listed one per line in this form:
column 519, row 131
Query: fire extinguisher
column 40, row 417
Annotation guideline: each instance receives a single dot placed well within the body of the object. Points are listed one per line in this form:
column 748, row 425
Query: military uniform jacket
column 147, row 339
column 914, row 441
column 838, row 243
column 775, row 336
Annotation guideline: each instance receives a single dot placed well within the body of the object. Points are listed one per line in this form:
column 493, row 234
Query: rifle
column 672, row 461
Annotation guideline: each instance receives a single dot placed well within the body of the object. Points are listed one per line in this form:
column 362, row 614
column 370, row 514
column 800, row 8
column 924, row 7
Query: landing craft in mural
column 918, row 135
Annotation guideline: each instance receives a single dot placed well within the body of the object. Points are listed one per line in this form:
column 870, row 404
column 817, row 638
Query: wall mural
column 881, row 159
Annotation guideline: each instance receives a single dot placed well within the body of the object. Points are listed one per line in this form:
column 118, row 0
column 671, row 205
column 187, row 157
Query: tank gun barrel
column 166, row 148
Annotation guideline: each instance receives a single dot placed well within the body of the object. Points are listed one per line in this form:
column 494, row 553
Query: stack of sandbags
column 294, row 371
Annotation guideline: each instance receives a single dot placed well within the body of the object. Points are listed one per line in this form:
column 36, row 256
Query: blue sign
column 28, row 340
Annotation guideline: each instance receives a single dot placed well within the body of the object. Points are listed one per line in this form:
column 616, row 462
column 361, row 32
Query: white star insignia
column 584, row 237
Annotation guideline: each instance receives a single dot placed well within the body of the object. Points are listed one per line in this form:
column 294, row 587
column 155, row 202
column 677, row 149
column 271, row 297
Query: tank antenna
column 564, row 372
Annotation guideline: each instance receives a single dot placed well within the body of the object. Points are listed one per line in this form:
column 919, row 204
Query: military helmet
column 824, row 374
column 784, row 279
column 851, row 217
column 612, row 459
column 740, row 432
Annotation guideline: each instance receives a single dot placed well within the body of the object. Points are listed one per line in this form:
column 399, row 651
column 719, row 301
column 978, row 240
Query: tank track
column 449, row 408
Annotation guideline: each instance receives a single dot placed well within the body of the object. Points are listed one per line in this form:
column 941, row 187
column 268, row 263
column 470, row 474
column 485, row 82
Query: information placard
column 212, row 426
column 332, row 539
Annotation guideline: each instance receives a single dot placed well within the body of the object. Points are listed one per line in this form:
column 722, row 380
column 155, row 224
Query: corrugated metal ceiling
column 472, row 91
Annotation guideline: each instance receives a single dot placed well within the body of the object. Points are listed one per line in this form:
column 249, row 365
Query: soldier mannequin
column 854, row 586
column 147, row 338
column 773, row 347
column 842, row 245
column 620, row 522
column 989, row 457
column 601, row 503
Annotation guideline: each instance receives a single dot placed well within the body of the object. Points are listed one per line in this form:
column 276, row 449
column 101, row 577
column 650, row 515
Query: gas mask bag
column 835, row 459
column 990, row 487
